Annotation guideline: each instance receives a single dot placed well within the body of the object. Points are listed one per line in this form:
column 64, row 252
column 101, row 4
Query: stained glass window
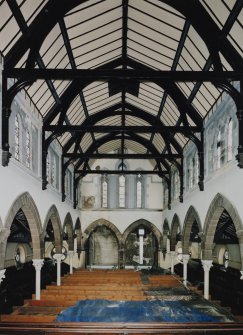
column 28, row 148
column 122, row 183
column 17, row 138
column 139, row 191
column 104, row 199
column 230, row 140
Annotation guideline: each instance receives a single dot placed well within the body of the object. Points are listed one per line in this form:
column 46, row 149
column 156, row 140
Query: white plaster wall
column 16, row 179
column 154, row 192
column 227, row 181
column 121, row 218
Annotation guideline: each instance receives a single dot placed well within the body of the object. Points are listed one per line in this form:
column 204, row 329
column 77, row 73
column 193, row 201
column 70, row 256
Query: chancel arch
column 102, row 241
column 192, row 232
column 223, row 226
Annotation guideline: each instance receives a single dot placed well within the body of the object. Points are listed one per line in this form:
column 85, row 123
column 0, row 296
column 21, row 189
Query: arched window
column 122, row 191
column 139, row 191
column 219, row 149
column 28, row 148
column 230, row 140
column 48, row 167
column 196, row 168
column 17, row 138
column 191, row 163
column 53, row 172
column 104, row 192
column 176, row 185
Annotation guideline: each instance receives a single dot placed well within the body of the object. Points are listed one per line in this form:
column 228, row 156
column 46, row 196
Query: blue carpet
column 143, row 311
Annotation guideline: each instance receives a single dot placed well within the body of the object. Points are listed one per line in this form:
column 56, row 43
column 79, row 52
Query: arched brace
column 168, row 181
column 181, row 175
column 132, row 136
column 133, row 111
column 63, row 174
column 7, row 99
column 200, row 149
column 43, row 161
column 237, row 96
column 75, row 190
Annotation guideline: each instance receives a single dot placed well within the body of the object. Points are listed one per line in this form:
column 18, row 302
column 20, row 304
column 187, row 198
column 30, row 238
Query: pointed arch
column 191, row 216
column 145, row 223
column 216, row 208
column 102, row 222
column 174, row 230
column 53, row 216
column 26, row 203
column 68, row 225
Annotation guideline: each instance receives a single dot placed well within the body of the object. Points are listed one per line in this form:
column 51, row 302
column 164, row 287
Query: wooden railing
column 121, row 328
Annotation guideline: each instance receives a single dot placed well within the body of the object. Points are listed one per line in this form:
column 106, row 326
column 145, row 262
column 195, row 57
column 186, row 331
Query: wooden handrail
column 121, row 328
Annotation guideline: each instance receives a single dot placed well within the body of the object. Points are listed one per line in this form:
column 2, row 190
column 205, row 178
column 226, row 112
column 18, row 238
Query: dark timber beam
column 125, row 172
column 117, row 129
column 122, row 74
column 120, row 156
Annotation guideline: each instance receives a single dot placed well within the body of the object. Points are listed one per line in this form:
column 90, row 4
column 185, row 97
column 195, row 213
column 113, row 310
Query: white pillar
column 58, row 258
column 185, row 259
column 172, row 255
column 71, row 254
column 38, row 263
column 141, row 233
column 2, row 275
column 207, row 264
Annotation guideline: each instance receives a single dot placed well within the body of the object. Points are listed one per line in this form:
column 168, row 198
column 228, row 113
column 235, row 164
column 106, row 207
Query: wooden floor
column 38, row 317
column 123, row 285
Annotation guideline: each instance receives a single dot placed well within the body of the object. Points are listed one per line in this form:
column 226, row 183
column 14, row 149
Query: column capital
column 207, row 264
column 59, row 257
column 185, row 258
column 2, row 275
column 38, row 263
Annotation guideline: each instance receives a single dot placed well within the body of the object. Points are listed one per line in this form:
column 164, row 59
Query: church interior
column 121, row 167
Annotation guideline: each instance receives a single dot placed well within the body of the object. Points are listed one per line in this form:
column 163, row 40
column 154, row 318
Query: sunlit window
column 191, row 169
column 139, row 191
column 196, row 168
column 230, row 140
column 28, row 148
column 17, row 138
column 122, row 183
column 176, row 185
column 104, row 192
column 53, row 172
column 48, row 167
column 219, row 149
